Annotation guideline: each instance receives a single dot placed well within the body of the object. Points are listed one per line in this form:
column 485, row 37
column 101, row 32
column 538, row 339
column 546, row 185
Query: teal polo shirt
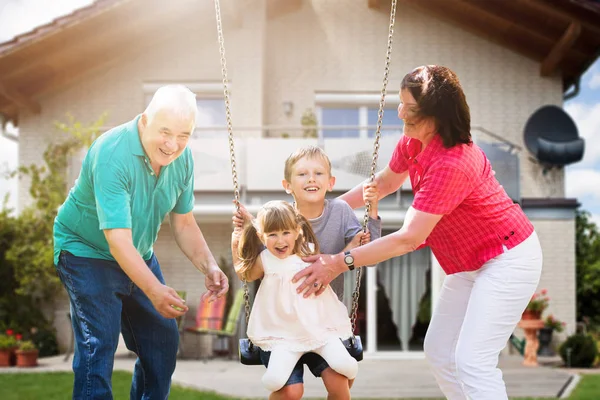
column 117, row 188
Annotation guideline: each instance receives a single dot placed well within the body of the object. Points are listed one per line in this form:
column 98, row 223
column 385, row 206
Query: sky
column 582, row 181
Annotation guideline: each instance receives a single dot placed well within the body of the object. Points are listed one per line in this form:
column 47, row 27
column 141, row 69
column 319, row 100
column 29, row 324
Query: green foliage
column 7, row 341
column 554, row 324
column 539, row 302
column 309, row 122
column 28, row 279
column 59, row 385
column 579, row 350
column 27, row 345
column 587, row 251
column 31, row 248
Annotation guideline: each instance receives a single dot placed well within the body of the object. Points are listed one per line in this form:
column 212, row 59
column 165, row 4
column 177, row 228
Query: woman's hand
column 324, row 269
column 371, row 197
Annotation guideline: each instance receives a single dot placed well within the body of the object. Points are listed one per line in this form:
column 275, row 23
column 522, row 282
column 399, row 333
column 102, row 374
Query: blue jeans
column 104, row 303
column 313, row 361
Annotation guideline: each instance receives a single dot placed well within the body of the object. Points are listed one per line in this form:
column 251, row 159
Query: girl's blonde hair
column 275, row 216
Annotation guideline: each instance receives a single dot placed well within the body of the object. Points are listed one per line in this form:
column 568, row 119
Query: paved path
column 376, row 379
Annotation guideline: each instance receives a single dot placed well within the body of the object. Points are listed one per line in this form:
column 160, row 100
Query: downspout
column 575, row 91
column 5, row 134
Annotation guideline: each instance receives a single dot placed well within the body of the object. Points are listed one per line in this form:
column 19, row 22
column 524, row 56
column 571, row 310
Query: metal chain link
column 236, row 188
column 386, row 73
column 236, row 191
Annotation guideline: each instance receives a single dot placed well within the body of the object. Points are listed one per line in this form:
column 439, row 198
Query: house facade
column 284, row 58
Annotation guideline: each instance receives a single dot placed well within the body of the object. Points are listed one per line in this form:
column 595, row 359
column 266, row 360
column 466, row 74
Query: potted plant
column 8, row 344
column 551, row 324
column 536, row 306
column 27, row 354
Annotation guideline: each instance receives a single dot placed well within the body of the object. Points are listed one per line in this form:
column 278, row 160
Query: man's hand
column 167, row 302
column 216, row 283
column 319, row 274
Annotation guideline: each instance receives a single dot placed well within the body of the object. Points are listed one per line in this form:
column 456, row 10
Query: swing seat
column 354, row 347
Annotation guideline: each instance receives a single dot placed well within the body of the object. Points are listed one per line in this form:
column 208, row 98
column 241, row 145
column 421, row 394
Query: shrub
column 583, row 351
column 27, row 345
column 7, row 341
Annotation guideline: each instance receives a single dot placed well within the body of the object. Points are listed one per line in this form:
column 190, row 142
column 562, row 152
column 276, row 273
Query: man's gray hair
column 175, row 98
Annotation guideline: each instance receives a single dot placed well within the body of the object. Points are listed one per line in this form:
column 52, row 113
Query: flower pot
column 528, row 314
column 27, row 358
column 5, row 356
column 545, row 338
column 8, row 357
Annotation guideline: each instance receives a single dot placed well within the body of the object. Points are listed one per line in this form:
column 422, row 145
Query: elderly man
column 131, row 178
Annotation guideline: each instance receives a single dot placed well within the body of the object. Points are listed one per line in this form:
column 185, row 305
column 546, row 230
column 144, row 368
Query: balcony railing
column 261, row 153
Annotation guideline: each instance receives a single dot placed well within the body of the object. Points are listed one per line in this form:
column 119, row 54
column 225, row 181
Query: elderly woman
column 483, row 241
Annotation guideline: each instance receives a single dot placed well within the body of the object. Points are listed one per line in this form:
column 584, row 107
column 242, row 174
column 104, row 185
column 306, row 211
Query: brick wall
column 558, row 276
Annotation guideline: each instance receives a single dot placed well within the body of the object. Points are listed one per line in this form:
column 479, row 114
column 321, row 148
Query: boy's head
column 307, row 174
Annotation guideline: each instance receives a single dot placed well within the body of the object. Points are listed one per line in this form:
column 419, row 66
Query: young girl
column 282, row 321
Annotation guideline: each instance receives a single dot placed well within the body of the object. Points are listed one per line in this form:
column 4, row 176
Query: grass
column 58, row 385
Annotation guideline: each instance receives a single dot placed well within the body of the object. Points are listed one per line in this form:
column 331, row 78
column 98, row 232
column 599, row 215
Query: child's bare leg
column 337, row 385
column 289, row 392
column 281, row 365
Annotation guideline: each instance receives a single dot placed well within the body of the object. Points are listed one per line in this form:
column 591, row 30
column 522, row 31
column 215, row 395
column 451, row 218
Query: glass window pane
column 390, row 118
column 211, row 113
column 340, row 117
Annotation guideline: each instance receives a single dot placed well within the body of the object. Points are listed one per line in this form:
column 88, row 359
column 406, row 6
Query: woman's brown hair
column 275, row 216
column 439, row 95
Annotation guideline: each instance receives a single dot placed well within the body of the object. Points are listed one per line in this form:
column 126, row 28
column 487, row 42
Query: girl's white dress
column 282, row 317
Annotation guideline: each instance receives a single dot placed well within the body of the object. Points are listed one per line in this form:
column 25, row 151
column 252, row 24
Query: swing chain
column 386, row 73
column 236, row 189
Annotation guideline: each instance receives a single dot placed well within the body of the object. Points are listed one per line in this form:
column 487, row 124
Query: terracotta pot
column 5, row 357
column 528, row 314
column 27, row 358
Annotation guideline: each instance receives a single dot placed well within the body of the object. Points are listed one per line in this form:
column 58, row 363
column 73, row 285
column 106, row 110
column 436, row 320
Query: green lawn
column 58, row 385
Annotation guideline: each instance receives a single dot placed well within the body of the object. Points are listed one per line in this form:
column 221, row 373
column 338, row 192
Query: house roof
column 63, row 22
column 563, row 35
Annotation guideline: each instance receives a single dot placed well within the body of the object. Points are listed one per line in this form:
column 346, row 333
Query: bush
column 7, row 342
column 583, row 351
column 27, row 346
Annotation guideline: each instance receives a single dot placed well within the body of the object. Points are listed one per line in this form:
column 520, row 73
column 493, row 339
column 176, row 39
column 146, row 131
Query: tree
column 587, row 250
column 32, row 245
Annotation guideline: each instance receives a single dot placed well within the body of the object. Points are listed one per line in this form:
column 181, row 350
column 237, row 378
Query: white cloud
column 583, row 182
column 8, row 161
column 595, row 80
column 18, row 16
column 587, row 119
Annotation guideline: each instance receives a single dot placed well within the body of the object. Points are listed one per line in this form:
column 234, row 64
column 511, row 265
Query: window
column 390, row 124
column 344, row 115
column 340, row 117
column 210, row 119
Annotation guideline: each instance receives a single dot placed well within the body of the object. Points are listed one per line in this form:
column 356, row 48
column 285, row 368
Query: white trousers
column 473, row 319
column 282, row 362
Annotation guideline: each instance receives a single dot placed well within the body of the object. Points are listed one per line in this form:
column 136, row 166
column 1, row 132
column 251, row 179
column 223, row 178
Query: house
column 288, row 56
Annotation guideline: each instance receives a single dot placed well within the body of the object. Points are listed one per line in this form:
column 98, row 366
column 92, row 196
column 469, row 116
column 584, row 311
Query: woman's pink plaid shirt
column 479, row 217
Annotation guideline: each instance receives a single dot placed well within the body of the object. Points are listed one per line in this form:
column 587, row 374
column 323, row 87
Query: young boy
column 307, row 177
